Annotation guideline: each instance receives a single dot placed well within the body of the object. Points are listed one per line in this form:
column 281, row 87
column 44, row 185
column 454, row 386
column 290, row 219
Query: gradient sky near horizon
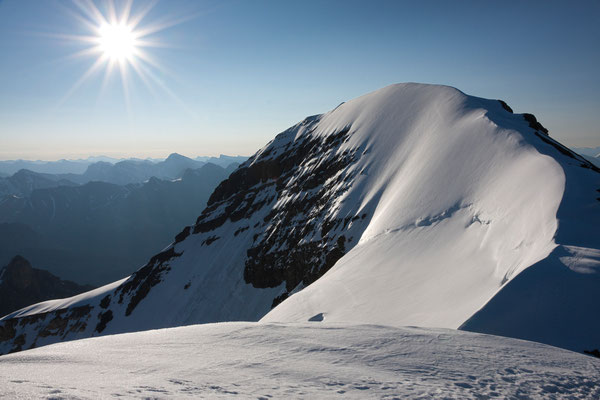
column 235, row 73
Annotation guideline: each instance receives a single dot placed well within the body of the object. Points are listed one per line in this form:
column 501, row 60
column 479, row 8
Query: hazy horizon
column 120, row 156
column 226, row 77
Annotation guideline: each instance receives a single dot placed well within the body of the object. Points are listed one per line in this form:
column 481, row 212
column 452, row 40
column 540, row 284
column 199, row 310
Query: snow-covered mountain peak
column 411, row 205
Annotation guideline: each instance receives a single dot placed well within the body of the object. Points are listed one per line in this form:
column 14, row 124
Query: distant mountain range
column 24, row 181
column 46, row 167
column 22, row 285
column 131, row 171
column 101, row 231
column 136, row 169
column 590, row 153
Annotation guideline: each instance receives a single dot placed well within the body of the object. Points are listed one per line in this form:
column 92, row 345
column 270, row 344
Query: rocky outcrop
column 22, row 285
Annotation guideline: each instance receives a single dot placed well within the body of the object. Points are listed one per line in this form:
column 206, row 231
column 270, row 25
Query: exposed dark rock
column 183, row 234
column 505, row 106
column 589, row 165
column 80, row 311
column 56, row 326
column 236, row 190
column 105, row 302
column 209, row 240
column 139, row 284
column 595, row 352
column 558, row 147
column 533, row 123
column 7, row 330
column 32, row 319
column 277, row 300
column 103, row 319
column 240, row 230
column 55, row 323
column 336, row 253
column 287, row 250
column 22, row 285
column 19, row 342
column 244, row 178
column 564, row 150
column 210, row 225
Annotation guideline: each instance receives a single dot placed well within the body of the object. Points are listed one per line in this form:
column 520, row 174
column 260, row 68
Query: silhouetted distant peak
column 176, row 156
column 18, row 272
column 232, row 167
column 22, row 285
column 98, row 166
column 24, row 172
column 19, row 262
column 206, row 170
column 211, row 167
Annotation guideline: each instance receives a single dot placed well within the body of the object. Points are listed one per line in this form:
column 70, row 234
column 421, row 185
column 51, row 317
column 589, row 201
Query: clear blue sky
column 239, row 72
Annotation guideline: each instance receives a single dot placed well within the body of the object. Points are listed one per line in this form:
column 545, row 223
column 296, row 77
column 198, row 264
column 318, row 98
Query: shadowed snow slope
column 412, row 205
column 311, row 361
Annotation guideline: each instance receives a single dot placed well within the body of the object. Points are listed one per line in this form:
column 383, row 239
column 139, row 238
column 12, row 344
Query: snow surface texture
column 426, row 202
column 465, row 200
column 250, row 360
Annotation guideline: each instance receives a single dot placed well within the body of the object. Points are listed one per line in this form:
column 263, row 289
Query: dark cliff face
column 296, row 243
column 22, row 285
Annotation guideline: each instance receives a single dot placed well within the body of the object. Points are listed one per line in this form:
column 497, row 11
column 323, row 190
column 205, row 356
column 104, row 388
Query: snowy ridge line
column 308, row 227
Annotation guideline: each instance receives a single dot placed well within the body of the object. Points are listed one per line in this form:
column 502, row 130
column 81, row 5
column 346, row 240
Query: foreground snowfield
column 312, row 360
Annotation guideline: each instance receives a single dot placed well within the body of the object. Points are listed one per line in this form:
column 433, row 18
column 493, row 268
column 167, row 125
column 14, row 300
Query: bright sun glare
column 117, row 41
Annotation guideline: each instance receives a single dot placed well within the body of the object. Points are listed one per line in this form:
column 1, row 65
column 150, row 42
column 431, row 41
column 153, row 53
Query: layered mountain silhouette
column 23, row 182
column 411, row 205
column 25, row 176
column 98, row 232
column 22, row 285
column 132, row 171
column 11, row 167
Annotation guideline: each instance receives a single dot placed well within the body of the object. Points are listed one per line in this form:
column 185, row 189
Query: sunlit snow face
column 117, row 42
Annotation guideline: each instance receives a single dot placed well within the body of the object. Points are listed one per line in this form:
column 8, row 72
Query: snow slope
column 448, row 233
column 411, row 205
column 250, row 360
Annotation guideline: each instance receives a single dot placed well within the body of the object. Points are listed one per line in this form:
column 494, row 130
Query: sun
column 117, row 42
column 119, row 39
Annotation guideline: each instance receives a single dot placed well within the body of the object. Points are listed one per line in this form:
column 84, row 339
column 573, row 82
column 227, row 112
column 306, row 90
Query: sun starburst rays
column 117, row 40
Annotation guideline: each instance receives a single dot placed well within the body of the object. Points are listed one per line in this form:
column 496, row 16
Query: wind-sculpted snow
column 312, row 361
column 465, row 197
column 411, row 205
column 466, row 205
